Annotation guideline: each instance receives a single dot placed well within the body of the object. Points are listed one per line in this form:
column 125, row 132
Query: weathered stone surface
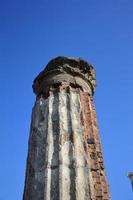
column 74, row 71
column 130, row 176
column 65, row 160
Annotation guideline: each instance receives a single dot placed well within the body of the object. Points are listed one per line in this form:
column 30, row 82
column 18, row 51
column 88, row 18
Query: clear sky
column 33, row 32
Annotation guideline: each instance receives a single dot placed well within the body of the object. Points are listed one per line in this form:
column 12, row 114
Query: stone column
column 65, row 160
column 130, row 176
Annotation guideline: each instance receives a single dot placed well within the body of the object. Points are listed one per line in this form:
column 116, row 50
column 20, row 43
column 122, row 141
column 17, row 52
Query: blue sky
column 32, row 33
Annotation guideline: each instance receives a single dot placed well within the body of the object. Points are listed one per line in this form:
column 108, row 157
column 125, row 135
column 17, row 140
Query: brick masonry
column 65, row 159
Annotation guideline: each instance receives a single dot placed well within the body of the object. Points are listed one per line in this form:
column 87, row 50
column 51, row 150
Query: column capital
column 72, row 71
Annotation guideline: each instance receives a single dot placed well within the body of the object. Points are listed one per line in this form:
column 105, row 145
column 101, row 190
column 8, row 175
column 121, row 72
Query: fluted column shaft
column 64, row 157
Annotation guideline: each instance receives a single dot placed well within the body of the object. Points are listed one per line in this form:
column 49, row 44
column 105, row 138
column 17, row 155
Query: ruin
column 65, row 160
column 130, row 176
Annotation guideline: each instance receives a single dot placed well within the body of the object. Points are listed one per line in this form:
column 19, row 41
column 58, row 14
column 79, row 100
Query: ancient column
column 130, row 176
column 65, row 160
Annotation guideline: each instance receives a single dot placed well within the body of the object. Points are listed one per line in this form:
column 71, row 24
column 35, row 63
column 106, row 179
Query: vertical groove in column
column 64, row 147
column 41, row 137
column 52, row 168
column 54, row 193
column 80, row 157
column 49, row 150
column 71, row 152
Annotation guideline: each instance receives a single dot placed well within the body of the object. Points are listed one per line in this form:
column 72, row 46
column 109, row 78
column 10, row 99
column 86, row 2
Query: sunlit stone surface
column 64, row 157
